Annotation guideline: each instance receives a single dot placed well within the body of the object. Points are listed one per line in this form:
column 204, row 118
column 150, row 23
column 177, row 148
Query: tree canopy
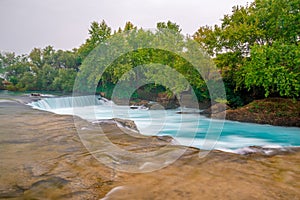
column 255, row 48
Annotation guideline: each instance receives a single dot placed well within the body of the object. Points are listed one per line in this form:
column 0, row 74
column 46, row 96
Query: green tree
column 126, row 66
column 36, row 57
column 45, row 77
column 48, row 55
column 42, row 69
column 256, row 47
column 169, row 25
column 129, row 26
column 275, row 68
column 98, row 33
column 16, row 68
column 64, row 81
column 66, row 59
column 27, row 82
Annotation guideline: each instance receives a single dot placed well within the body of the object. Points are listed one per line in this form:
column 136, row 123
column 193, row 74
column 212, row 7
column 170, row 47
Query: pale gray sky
column 64, row 24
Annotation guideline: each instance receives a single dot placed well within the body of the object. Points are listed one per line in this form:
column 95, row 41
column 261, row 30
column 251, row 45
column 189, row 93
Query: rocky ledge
column 42, row 157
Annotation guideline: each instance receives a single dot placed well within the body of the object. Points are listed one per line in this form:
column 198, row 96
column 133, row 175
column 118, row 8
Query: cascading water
column 189, row 129
column 69, row 102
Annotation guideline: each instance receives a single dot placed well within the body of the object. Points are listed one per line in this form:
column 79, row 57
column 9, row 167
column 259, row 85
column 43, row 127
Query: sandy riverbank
column 42, row 157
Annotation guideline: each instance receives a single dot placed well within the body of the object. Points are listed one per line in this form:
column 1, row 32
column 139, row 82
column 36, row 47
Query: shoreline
column 243, row 114
column 254, row 149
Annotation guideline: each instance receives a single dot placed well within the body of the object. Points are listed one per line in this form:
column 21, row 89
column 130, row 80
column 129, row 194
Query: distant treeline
column 256, row 49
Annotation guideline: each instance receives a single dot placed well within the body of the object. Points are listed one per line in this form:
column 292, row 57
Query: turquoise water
column 186, row 129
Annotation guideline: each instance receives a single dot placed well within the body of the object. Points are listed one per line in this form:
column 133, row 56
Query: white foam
column 47, row 95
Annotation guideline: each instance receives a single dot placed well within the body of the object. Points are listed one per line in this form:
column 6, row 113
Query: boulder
column 167, row 102
column 156, row 106
column 216, row 108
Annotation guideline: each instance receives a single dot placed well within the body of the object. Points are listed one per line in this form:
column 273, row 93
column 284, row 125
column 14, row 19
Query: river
column 187, row 129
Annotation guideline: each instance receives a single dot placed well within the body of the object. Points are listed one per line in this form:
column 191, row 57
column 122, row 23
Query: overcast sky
column 64, row 24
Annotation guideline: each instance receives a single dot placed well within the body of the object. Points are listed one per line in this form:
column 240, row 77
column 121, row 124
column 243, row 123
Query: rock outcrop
column 127, row 123
column 215, row 109
column 43, row 158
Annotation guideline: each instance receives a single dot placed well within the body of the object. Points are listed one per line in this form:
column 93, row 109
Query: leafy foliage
column 43, row 69
column 257, row 47
column 139, row 56
column 274, row 69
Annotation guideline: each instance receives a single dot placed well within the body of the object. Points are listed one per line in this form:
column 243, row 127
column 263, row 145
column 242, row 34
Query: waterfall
column 69, row 102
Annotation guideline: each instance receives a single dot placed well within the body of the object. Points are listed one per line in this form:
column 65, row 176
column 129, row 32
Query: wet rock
column 188, row 100
column 167, row 102
column 35, row 94
column 126, row 123
column 185, row 112
column 78, row 175
column 216, row 108
column 156, row 106
column 265, row 151
column 140, row 103
column 165, row 138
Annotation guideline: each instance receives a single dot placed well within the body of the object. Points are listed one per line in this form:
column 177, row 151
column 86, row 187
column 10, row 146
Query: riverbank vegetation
column 274, row 111
column 256, row 49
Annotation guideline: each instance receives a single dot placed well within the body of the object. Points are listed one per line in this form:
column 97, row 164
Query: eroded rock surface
column 42, row 157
